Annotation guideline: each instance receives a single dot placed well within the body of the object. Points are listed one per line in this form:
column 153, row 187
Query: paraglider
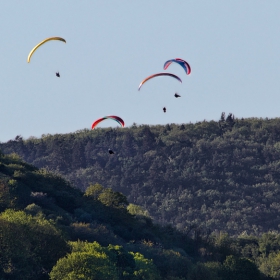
column 181, row 62
column 164, row 109
column 110, row 151
column 57, row 74
column 177, row 95
column 156, row 75
column 115, row 118
column 41, row 43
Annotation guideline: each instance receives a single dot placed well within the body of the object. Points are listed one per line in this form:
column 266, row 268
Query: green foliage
column 240, row 269
column 92, row 261
column 84, row 266
column 144, row 268
column 224, row 245
column 113, row 199
column 270, row 266
column 123, row 260
column 29, row 245
column 269, row 242
column 171, row 263
column 33, row 209
column 94, row 191
column 106, row 196
column 137, row 210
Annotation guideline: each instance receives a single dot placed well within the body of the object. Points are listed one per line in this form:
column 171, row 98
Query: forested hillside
column 50, row 230
column 211, row 175
column 47, row 226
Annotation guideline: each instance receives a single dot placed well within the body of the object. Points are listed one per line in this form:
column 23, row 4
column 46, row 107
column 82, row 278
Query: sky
column 233, row 48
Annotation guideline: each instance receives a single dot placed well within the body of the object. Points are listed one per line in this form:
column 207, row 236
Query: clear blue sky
column 233, row 48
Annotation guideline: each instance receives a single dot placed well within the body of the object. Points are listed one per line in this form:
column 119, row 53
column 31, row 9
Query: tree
column 30, row 246
column 113, row 199
column 87, row 261
column 144, row 268
column 223, row 244
column 235, row 268
column 123, row 260
column 270, row 265
column 269, row 242
column 84, row 266
column 137, row 210
column 94, row 191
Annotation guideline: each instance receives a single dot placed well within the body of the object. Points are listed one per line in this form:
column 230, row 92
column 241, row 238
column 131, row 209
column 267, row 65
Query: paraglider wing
column 181, row 62
column 118, row 119
column 156, row 75
column 41, row 43
column 97, row 122
column 115, row 118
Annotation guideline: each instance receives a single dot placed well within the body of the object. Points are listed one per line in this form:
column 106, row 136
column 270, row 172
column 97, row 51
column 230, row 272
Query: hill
column 209, row 175
column 51, row 230
column 40, row 213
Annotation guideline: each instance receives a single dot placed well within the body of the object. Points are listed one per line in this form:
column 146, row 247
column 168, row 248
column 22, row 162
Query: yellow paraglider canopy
column 41, row 43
